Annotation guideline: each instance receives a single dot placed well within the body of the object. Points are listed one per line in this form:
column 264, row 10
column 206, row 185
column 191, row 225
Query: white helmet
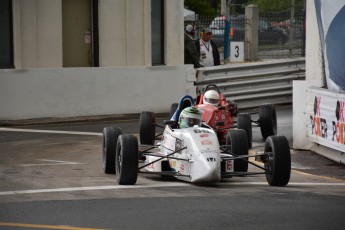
column 189, row 117
column 211, row 97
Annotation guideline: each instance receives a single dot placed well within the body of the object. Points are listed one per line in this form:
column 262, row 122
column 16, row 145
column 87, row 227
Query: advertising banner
column 331, row 22
column 325, row 118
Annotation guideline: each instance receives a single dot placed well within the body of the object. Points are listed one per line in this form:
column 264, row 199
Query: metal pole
column 223, row 7
column 226, row 35
column 303, row 28
column 292, row 26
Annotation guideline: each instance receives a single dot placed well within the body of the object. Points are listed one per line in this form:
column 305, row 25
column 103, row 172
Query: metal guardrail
column 253, row 84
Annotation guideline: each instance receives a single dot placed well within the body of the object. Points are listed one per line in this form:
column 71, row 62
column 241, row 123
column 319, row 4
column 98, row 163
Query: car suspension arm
column 160, row 126
column 232, row 174
column 234, row 156
column 176, row 158
column 147, row 150
column 167, row 156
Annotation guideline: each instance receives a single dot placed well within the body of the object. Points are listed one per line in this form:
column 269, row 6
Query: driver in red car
column 217, row 112
column 211, row 97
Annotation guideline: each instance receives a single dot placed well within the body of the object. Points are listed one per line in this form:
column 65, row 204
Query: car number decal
column 229, row 166
column 206, row 142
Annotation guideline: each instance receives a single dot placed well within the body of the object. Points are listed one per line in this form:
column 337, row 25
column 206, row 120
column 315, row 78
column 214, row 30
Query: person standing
column 191, row 55
column 207, row 50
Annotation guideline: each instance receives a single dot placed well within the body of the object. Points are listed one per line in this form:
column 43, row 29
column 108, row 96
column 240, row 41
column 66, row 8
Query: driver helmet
column 189, row 117
column 211, row 97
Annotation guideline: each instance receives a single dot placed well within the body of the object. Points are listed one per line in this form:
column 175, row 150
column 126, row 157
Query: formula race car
column 190, row 152
column 221, row 115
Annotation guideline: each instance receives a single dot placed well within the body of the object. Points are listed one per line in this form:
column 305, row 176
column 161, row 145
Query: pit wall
column 72, row 92
column 316, row 125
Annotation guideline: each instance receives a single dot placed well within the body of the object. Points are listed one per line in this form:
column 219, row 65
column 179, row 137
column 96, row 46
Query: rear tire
column 268, row 120
column 244, row 122
column 110, row 136
column 127, row 159
column 237, row 140
column 147, row 128
column 278, row 161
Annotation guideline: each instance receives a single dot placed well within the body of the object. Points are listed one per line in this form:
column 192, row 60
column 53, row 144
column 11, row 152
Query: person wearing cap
column 191, row 55
column 207, row 50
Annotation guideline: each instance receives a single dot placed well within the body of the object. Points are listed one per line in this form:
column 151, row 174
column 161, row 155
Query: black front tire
column 237, row 140
column 278, row 161
column 147, row 130
column 244, row 122
column 110, row 136
column 127, row 160
column 268, row 120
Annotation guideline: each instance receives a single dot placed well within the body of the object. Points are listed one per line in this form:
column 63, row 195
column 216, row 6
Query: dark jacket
column 215, row 52
column 191, row 55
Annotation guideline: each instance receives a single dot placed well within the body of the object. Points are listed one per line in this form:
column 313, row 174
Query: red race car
column 222, row 115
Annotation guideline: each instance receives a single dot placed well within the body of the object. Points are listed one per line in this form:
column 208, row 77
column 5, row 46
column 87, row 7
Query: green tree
column 203, row 7
column 275, row 5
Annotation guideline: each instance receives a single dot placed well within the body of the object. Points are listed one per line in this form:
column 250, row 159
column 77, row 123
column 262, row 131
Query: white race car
column 191, row 154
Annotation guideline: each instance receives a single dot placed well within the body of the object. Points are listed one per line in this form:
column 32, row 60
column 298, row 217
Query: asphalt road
column 52, row 179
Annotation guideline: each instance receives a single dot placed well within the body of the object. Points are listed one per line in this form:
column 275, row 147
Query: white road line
column 109, row 187
column 290, row 183
column 173, row 184
column 50, row 131
column 54, row 162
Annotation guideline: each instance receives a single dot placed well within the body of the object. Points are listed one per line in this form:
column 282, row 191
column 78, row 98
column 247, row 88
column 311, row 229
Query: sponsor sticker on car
column 229, row 166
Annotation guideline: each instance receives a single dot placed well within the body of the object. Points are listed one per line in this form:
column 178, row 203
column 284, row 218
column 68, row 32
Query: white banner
column 331, row 21
column 325, row 118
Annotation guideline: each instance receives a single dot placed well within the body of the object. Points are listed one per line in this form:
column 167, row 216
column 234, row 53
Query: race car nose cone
column 206, row 172
column 211, row 176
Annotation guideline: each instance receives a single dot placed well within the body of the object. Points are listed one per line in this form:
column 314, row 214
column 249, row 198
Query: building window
column 157, row 32
column 6, row 37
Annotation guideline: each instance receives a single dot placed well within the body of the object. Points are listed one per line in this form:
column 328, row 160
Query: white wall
column 124, row 33
column 313, row 62
column 112, row 33
column 40, row 87
column 174, row 32
column 70, row 92
column 37, row 33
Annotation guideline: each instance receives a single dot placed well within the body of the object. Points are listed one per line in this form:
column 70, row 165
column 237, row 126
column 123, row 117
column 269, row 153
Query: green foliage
column 275, row 5
column 212, row 7
column 202, row 7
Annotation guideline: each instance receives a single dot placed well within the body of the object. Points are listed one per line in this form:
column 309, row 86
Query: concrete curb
column 329, row 153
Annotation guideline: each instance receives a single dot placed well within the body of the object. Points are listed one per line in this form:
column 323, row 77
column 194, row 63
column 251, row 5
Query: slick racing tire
column 110, row 136
column 237, row 140
column 127, row 159
column 278, row 161
column 173, row 108
column 147, row 130
column 268, row 120
column 244, row 122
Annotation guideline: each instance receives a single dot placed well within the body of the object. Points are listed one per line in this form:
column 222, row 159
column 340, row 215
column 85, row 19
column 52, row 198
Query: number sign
column 237, row 51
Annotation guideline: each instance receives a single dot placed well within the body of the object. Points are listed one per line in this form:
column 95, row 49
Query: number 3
column 237, row 53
